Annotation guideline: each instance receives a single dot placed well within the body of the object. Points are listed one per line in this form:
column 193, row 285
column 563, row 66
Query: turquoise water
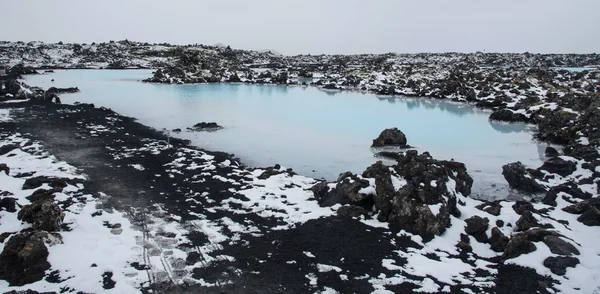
column 317, row 133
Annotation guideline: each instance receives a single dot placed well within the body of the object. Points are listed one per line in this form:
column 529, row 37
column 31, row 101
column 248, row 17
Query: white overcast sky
column 316, row 26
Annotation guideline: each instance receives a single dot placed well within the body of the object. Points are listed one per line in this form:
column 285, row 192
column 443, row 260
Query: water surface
column 317, row 133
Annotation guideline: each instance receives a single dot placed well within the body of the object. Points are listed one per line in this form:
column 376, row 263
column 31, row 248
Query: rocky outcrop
column 519, row 178
column 44, row 214
column 411, row 207
column 390, row 137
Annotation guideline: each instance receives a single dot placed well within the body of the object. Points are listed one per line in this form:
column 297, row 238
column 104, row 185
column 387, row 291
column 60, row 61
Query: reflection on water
column 318, row 133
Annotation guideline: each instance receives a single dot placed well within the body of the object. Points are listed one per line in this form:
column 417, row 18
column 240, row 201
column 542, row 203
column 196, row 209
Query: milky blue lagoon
column 317, row 133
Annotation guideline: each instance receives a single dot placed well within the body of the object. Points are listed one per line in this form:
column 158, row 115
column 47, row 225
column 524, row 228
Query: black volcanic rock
column 390, row 137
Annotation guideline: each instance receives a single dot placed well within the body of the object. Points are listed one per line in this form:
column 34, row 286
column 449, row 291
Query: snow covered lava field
column 125, row 211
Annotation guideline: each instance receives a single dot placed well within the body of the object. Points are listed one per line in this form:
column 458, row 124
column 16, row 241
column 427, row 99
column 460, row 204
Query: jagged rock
column 519, row 178
column 518, row 244
column 477, row 227
column 508, row 115
column 522, row 206
column 412, row 207
column 498, row 240
column 551, row 152
column 23, row 259
column 559, row 246
column 390, row 137
column 206, row 127
column 384, row 189
column 558, row 265
column 9, row 204
column 557, row 165
column 176, row 130
column 43, row 214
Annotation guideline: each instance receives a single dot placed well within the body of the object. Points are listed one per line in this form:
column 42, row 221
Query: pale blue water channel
column 318, row 134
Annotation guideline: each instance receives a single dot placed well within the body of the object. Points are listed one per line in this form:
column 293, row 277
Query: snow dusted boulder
column 570, row 188
column 557, row 165
column 558, row 265
column 390, row 137
column 44, row 214
column 349, row 189
column 518, row 177
column 24, row 258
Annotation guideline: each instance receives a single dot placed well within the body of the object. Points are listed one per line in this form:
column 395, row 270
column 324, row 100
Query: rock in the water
column 508, row 115
column 518, row 244
column 559, row 246
column 519, row 178
column 558, row 265
column 477, row 227
column 498, row 240
column 557, row 165
column 44, row 214
column 205, row 127
column 390, row 137
column 24, row 258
